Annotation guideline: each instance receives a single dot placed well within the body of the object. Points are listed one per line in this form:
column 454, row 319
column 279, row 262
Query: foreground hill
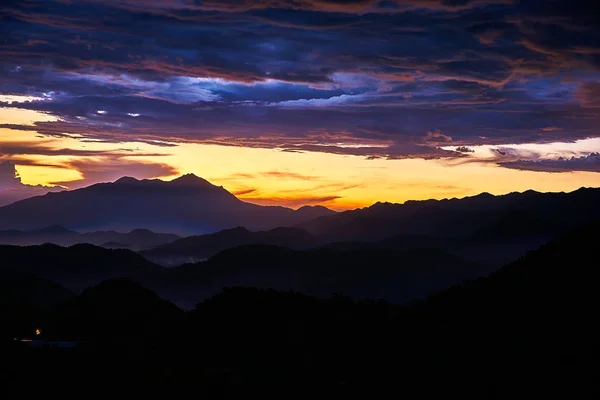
column 550, row 293
column 526, row 331
column 186, row 205
column 77, row 267
column 26, row 300
column 114, row 308
column 137, row 239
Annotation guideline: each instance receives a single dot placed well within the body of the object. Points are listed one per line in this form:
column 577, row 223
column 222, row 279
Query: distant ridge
column 137, row 239
column 201, row 247
column 558, row 212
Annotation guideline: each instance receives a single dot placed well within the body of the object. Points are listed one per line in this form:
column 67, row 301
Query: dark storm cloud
column 373, row 78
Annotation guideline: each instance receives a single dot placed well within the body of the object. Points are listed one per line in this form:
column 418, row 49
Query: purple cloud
column 390, row 79
column 589, row 163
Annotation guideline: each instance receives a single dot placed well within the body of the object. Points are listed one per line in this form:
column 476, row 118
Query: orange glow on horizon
column 268, row 176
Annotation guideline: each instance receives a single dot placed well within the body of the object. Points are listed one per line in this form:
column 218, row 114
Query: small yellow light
column 38, row 332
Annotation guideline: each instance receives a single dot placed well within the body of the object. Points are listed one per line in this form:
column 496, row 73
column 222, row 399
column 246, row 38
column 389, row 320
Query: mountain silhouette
column 115, row 307
column 26, row 301
column 556, row 281
column 529, row 329
column 392, row 275
column 186, row 205
column 137, row 239
column 77, row 267
column 382, row 274
column 496, row 218
column 197, row 248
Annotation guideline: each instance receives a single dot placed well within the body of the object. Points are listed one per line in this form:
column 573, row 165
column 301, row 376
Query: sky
column 302, row 102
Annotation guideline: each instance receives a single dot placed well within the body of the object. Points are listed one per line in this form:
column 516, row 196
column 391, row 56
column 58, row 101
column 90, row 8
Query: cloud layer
column 12, row 189
column 380, row 79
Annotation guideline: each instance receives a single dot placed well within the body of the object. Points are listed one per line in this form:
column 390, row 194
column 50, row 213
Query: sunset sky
column 339, row 103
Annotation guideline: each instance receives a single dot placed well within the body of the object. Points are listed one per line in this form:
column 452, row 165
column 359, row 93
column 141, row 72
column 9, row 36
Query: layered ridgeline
column 185, row 205
column 486, row 229
column 528, row 329
column 137, row 239
column 201, row 247
column 397, row 276
column 483, row 217
column 77, row 267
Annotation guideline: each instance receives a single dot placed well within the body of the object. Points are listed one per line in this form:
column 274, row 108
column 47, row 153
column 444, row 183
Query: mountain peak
column 191, row 180
column 317, row 207
column 126, row 180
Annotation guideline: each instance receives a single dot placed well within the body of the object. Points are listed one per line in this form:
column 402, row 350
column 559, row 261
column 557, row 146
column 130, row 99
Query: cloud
column 464, row 149
column 551, row 129
column 334, row 6
column 243, row 192
column 588, row 94
column 437, row 137
column 272, row 73
column 111, row 169
column 12, row 189
column 288, row 175
column 292, row 201
column 92, row 165
column 8, row 175
column 28, row 148
column 589, row 163
column 341, row 100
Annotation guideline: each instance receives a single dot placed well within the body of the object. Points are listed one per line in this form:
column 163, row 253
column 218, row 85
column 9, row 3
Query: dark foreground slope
column 116, row 308
column 26, row 300
column 543, row 302
column 77, row 267
column 527, row 331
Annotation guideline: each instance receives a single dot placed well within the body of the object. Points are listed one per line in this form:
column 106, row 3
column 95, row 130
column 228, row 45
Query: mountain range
column 483, row 217
column 190, row 205
column 484, row 229
column 527, row 329
column 186, row 205
column 137, row 239
column 397, row 276
column 201, row 247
